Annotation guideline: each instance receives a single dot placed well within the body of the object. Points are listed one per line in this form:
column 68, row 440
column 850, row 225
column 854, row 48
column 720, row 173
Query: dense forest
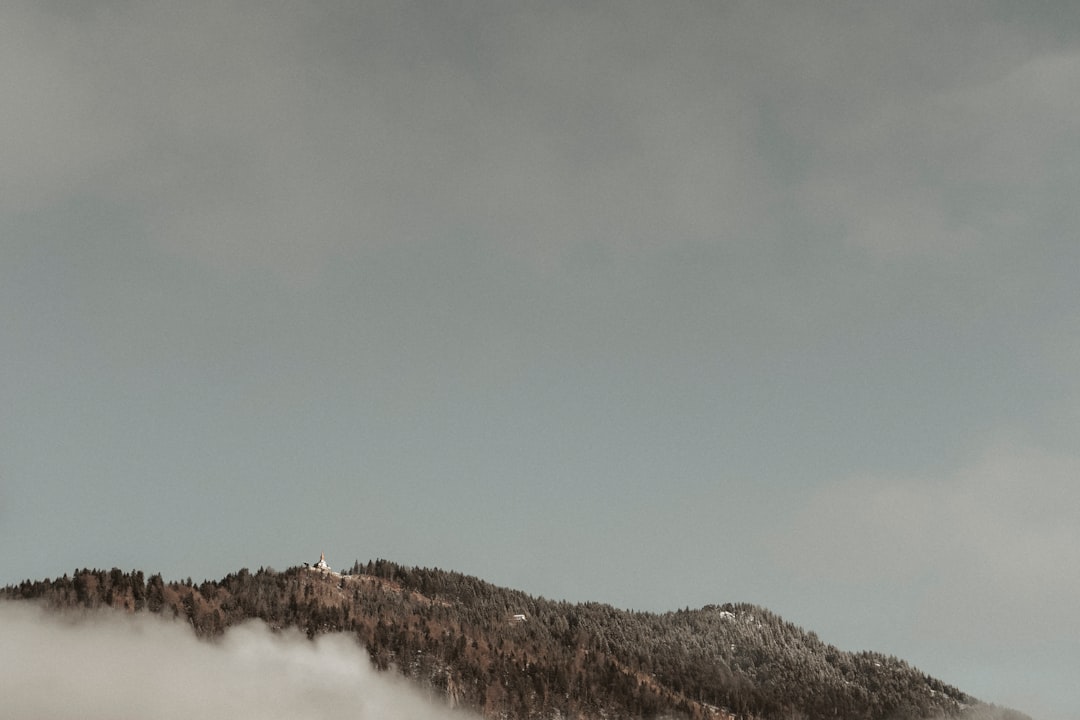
column 507, row 654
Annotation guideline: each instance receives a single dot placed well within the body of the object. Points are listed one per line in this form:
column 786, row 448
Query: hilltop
column 507, row 654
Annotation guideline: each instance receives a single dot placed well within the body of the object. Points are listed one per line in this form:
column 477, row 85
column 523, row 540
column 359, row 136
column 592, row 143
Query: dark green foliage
column 459, row 636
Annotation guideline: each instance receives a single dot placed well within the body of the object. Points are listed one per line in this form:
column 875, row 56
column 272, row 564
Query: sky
column 658, row 305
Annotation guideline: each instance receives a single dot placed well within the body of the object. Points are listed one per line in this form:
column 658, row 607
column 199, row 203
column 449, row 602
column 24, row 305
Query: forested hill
column 508, row 654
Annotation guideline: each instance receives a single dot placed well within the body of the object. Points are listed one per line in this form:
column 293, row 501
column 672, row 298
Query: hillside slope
column 508, row 654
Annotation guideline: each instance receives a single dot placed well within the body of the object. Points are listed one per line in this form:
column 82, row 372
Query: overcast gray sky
column 655, row 304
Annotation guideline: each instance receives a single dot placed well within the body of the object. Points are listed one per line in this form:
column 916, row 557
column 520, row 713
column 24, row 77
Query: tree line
column 505, row 653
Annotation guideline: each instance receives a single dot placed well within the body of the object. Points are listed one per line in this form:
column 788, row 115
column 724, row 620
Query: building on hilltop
column 321, row 565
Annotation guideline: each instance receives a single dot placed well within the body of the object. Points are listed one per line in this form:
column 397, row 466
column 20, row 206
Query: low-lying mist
column 111, row 665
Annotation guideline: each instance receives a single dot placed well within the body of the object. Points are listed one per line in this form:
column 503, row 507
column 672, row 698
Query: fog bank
column 110, row 665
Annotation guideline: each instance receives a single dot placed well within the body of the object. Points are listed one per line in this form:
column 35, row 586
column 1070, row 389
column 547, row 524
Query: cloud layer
column 108, row 665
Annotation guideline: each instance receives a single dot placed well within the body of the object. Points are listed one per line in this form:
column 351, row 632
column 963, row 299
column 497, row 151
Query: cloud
column 281, row 139
column 247, row 135
column 990, row 545
column 108, row 665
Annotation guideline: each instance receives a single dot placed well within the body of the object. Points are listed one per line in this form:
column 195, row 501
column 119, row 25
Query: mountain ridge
column 508, row 654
